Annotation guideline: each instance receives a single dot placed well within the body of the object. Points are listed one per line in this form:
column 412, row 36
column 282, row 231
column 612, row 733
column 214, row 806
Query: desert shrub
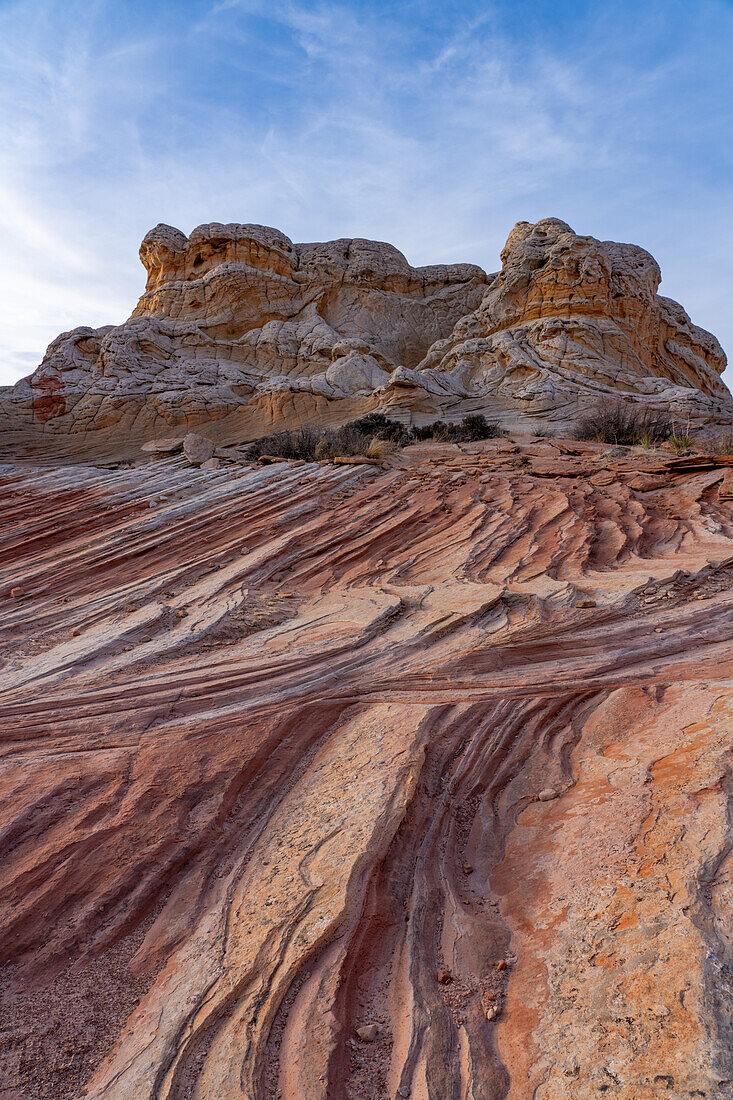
column 349, row 439
column 624, row 424
column 324, row 450
column 469, row 430
column 312, row 444
column 476, row 427
column 379, row 426
column 300, row 444
column 374, row 435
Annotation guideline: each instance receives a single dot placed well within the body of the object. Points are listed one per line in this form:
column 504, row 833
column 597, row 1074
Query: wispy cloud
column 434, row 126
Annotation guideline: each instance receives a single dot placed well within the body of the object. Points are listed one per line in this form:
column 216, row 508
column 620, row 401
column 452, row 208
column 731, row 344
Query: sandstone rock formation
column 569, row 318
column 243, row 331
column 337, row 783
column 408, row 776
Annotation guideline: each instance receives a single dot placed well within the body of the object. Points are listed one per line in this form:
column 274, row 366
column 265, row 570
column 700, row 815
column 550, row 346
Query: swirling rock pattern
column 342, row 782
column 243, row 331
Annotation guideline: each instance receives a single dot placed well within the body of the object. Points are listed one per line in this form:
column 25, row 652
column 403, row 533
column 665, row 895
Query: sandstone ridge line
column 243, row 332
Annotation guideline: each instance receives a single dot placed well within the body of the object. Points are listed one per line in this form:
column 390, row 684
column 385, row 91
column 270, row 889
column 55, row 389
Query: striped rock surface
column 341, row 782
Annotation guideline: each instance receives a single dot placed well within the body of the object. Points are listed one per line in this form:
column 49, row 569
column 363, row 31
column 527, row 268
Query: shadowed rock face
column 324, row 782
column 243, row 331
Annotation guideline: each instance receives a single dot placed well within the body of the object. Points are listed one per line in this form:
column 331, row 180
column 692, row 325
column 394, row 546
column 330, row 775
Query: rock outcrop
column 325, row 782
column 570, row 318
column 243, row 331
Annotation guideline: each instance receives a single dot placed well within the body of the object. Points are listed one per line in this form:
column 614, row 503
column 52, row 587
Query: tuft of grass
column 380, row 448
column 681, row 440
column 624, row 424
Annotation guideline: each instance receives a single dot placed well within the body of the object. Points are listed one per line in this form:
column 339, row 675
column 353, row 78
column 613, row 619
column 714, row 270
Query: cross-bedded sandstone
column 436, row 754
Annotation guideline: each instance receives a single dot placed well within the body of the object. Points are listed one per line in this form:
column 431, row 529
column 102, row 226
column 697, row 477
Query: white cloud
column 329, row 120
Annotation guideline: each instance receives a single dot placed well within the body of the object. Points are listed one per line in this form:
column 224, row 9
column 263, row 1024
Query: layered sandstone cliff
column 243, row 331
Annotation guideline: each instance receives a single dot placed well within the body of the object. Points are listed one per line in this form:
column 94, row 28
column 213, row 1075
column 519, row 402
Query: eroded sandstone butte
column 242, row 331
column 326, row 782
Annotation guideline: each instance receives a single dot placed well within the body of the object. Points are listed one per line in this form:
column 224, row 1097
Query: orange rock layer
column 340, row 782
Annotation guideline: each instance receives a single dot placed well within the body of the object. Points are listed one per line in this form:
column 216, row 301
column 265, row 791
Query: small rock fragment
column 444, row 976
column 211, row 463
column 547, row 794
column 367, row 1033
column 356, row 460
column 197, row 448
column 586, row 603
column 162, row 446
column 17, row 592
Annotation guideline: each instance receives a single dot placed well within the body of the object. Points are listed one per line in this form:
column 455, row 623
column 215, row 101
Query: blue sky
column 435, row 126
